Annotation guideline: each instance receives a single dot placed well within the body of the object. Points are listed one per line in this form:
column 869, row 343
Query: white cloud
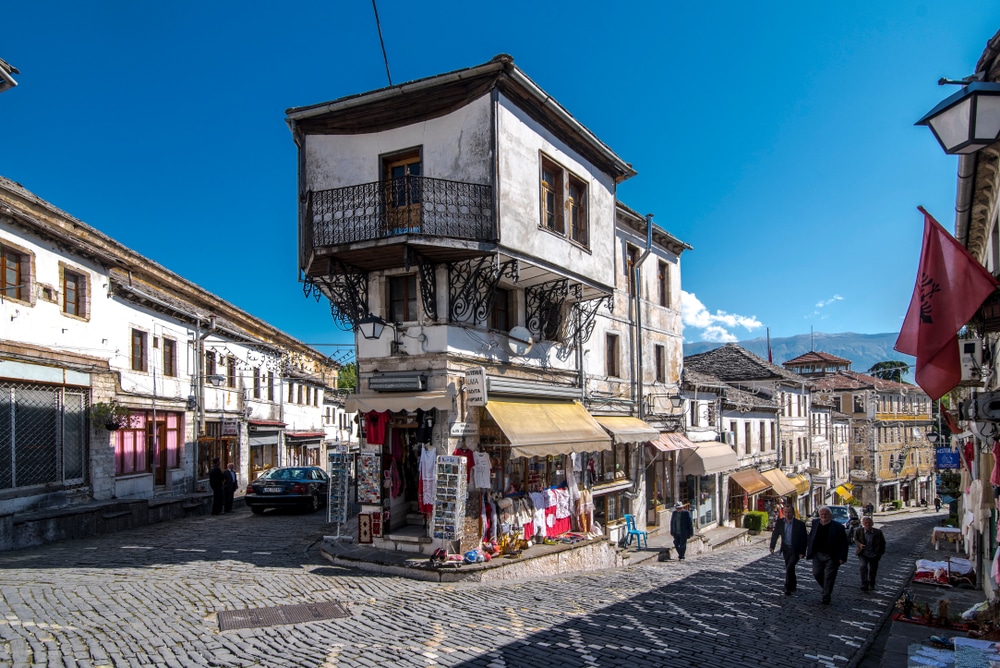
column 715, row 326
column 827, row 302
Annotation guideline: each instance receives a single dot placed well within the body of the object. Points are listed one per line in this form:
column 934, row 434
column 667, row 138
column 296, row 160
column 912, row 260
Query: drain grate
column 255, row 618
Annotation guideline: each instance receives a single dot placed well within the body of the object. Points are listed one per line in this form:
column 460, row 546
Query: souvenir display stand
column 370, row 478
column 337, row 503
column 448, row 518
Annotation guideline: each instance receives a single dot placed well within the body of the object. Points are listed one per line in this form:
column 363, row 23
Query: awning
column 844, row 493
column 628, row 429
column 709, row 458
column 399, row 401
column 782, row 485
column 536, row 428
column 668, row 441
column 750, row 480
column 801, row 483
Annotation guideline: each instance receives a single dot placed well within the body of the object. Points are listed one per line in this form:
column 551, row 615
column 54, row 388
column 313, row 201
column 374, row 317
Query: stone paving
column 150, row 596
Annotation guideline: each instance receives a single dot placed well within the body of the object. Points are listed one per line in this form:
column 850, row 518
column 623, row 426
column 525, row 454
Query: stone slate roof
column 852, row 380
column 695, row 379
column 733, row 363
column 746, row 401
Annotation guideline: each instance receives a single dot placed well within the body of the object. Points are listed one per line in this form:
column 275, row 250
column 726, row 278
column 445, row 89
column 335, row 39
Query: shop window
column 663, row 281
column 138, row 353
column 16, row 273
column 611, row 353
column 169, row 357
column 213, row 445
column 403, row 298
column 144, row 440
column 74, row 292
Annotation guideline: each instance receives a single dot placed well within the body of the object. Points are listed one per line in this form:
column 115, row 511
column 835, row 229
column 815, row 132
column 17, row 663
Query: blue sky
column 776, row 138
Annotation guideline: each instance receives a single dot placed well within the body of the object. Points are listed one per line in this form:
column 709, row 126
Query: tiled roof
column 733, row 363
column 852, row 380
column 817, row 356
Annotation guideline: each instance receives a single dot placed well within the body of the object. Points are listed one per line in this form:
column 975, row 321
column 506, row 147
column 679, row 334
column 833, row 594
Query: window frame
column 20, row 261
column 139, row 350
column 169, row 357
column 407, row 302
column 500, row 314
column 631, row 260
column 551, row 195
column 81, row 292
column 612, row 356
column 578, row 209
column 663, row 279
column 231, row 371
column 660, row 357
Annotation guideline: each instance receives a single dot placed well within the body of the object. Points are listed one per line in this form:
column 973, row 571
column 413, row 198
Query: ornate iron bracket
column 583, row 319
column 310, row 288
column 544, row 308
column 428, row 281
column 473, row 285
column 347, row 290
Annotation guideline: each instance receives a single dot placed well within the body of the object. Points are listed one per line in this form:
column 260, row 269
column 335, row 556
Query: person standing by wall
column 217, row 481
column 681, row 528
column 827, row 547
column 229, row 486
column 793, row 535
column 871, row 547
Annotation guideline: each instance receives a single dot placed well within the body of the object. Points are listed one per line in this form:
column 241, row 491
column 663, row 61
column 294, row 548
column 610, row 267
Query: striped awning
column 668, row 441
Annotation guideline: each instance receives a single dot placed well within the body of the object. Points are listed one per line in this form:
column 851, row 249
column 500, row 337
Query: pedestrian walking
column 229, row 487
column 871, row 547
column 217, row 481
column 792, row 533
column 681, row 528
column 827, row 547
column 937, row 504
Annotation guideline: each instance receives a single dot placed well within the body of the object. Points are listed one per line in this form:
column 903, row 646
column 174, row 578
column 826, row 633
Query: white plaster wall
column 455, row 146
column 520, row 140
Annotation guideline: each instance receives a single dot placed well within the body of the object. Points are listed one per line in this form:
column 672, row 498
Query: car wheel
column 256, row 510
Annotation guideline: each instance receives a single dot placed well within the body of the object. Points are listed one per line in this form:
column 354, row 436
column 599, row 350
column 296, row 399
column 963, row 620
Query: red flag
column 951, row 285
column 949, row 420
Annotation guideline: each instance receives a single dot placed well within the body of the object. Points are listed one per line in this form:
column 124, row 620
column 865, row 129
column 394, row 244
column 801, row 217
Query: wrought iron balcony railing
column 407, row 205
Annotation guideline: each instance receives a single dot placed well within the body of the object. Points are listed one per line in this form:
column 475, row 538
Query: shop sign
column 859, row 474
column 464, row 429
column 475, row 386
column 230, row 427
column 948, row 459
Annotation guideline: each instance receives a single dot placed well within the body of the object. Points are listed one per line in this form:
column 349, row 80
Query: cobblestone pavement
column 149, row 597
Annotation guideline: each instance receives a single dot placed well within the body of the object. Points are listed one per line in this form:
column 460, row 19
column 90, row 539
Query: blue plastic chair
column 630, row 531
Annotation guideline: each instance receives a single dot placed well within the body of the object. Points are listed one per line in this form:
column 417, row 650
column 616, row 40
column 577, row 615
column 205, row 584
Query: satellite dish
column 519, row 341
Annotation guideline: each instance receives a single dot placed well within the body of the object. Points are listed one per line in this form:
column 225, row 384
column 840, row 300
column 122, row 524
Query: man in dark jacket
column 681, row 528
column 827, row 547
column 792, row 533
column 216, row 480
column 871, row 547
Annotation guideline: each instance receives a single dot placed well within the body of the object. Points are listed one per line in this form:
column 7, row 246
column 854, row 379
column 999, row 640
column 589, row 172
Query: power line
column 382, row 42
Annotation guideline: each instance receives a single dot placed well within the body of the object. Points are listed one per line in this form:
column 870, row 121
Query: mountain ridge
column 863, row 350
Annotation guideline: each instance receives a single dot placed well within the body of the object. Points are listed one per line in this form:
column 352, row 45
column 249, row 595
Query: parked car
column 296, row 486
column 846, row 515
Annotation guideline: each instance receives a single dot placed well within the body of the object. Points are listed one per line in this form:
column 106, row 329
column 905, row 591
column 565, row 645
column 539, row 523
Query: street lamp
column 967, row 121
column 371, row 326
column 215, row 379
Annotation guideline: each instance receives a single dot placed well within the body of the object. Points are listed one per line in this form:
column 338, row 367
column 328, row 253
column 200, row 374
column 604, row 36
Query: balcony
column 370, row 225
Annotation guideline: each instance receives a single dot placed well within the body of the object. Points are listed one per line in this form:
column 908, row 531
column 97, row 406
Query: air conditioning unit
column 988, row 407
column 971, row 358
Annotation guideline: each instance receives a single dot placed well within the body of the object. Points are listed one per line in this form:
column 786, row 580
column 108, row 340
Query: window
column 15, row 273
column 209, row 363
column 577, row 205
column 500, row 317
column 747, row 437
column 695, row 411
column 74, row 290
column 256, row 382
column 291, row 393
column 631, row 260
column 169, row 357
column 138, row 443
column 270, row 386
column 138, row 350
column 230, row 371
column 611, row 355
column 661, row 364
column 663, row 282
column 551, row 188
column 403, row 298
column 763, row 436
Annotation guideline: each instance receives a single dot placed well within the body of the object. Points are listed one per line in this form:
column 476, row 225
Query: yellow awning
column 844, row 493
column 848, row 486
column 801, row 483
column 750, row 480
column 782, row 485
column 399, row 401
column 537, row 428
column 628, row 429
column 708, row 458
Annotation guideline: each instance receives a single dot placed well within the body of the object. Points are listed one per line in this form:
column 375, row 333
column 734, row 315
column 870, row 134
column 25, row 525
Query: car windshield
column 286, row 474
column 840, row 513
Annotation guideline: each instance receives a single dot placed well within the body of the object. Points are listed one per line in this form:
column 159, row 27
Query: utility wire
column 382, row 42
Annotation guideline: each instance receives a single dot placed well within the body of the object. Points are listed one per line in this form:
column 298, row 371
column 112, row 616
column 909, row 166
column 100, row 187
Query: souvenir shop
column 701, row 466
column 532, row 471
column 746, row 493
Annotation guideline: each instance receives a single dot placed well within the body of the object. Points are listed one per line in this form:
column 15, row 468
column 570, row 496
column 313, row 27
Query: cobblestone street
column 150, row 597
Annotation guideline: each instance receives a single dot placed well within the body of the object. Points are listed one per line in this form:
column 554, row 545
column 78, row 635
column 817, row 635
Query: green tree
column 889, row 370
column 347, row 377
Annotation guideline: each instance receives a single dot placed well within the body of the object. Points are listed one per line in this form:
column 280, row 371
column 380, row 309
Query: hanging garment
column 425, row 425
column 428, row 465
column 995, row 475
column 469, row 463
column 572, row 465
column 481, row 470
column 375, row 424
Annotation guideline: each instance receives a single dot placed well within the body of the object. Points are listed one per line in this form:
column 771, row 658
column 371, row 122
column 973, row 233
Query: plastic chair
column 630, row 531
